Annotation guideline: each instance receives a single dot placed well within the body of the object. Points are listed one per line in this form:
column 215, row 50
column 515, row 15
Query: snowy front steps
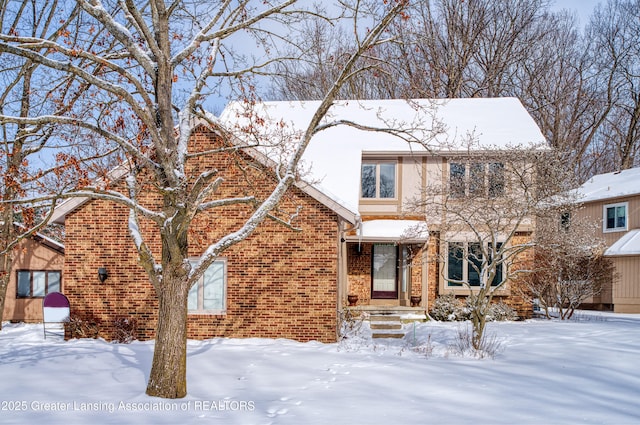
column 386, row 326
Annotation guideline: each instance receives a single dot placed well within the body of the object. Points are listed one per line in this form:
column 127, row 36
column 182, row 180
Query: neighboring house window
column 464, row 263
column 565, row 221
column 209, row 294
column 476, row 179
column 615, row 217
column 378, row 180
column 38, row 283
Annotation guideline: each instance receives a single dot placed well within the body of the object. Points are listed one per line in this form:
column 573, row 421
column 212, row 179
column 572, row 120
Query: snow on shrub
column 448, row 308
column 500, row 312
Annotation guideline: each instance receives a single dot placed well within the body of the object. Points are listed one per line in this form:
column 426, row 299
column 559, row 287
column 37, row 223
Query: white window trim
column 200, row 281
column 465, row 267
column 626, row 217
column 47, row 288
column 395, row 179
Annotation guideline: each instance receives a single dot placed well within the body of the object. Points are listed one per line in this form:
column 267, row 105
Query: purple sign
column 55, row 309
column 56, row 300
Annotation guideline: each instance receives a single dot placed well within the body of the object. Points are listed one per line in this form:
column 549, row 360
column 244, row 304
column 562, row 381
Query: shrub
column 447, row 308
column 500, row 311
column 78, row 327
column 126, row 329
column 490, row 346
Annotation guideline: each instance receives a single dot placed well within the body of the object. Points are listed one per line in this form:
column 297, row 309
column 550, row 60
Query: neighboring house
column 359, row 236
column 613, row 200
column 37, row 270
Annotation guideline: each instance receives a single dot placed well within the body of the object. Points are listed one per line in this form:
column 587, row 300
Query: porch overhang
column 391, row 231
column 629, row 244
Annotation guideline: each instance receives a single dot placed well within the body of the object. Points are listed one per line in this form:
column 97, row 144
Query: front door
column 384, row 271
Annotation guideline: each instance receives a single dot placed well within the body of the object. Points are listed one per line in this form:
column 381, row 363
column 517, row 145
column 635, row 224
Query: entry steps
column 386, row 326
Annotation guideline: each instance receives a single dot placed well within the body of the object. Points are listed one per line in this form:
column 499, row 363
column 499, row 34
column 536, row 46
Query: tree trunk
column 6, row 259
column 5, row 273
column 479, row 321
column 168, row 378
column 4, row 283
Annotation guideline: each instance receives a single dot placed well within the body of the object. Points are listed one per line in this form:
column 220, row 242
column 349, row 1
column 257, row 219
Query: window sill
column 373, row 201
column 504, row 291
column 207, row 313
column 614, row 230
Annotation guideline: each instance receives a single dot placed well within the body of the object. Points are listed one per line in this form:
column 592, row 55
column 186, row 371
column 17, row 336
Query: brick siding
column 281, row 283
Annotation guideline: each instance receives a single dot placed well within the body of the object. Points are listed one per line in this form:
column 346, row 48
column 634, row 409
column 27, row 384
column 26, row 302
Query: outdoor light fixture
column 102, row 274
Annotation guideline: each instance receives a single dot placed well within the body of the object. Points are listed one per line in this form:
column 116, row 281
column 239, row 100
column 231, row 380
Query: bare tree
column 569, row 263
column 485, row 216
column 154, row 66
column 613, row 34
column 578, row 85
column 21, row 95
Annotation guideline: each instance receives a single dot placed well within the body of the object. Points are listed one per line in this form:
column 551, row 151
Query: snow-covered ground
column 584, row 371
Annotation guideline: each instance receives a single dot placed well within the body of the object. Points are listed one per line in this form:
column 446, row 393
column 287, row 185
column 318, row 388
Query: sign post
column 55, row 309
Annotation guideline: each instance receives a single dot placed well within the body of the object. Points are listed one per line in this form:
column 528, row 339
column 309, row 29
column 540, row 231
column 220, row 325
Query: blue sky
column 583, row 8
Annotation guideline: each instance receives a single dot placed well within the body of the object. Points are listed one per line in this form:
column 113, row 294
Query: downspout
column 343, row 266
column 425, row 271
column 425, row 275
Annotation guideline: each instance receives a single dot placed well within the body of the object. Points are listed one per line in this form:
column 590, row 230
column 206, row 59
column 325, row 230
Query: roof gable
column 333, row 158
column 71, row 204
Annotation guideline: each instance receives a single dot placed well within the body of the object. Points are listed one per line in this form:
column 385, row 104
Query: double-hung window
column 209, row 294
column 378, row 180
column 615, row 217
column 464, row 264
column 38, row 283
column 476, row 179
column 565, row 221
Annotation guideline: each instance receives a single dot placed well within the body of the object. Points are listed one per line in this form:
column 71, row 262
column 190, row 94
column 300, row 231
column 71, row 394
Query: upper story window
column 565, row 221
column 378, row 180
column 38, row 283
column 209, row 294
column 615, row 217
column 476, row 179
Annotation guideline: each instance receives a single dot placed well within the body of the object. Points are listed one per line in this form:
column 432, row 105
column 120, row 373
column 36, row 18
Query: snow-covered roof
column 332, row 161
column 610, row 185
column 333, row 158
column 40, row 237
column 51, row 243
column 392, row 230
column 629, row 244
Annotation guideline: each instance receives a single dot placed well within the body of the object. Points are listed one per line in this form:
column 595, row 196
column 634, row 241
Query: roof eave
column 342, row 211
column 385, row 239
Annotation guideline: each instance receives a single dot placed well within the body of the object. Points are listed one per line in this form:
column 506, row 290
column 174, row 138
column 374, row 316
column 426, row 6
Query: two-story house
column 613, row 201
column 380, row 164
column 355, row 202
